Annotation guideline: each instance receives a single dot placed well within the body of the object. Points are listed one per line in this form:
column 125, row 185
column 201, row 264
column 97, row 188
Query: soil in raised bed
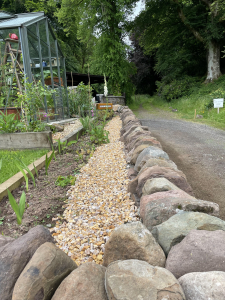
column 45, row 201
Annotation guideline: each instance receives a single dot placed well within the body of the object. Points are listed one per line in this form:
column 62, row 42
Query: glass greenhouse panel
column 34, row 56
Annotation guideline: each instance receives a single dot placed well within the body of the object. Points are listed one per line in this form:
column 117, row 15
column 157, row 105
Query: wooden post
column 195, row 114
column 218, row 110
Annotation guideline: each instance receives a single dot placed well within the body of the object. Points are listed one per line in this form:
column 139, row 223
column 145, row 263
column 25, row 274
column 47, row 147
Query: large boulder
column 5, row 240
column 14, row 257
column 128, row 126
column 203, row 285
column 172, row 231
column 135, row 279
column 199, row 251
column 151, row 162
column 132, row 129
column 128, row 119
column 176, row 177
column 150, row 152
column 133, row 241
column 147, row 140
column 163, row 195
column 155, row 185
column 84, row 283
column 43, row 274
column 137, row 151
column 158, row 211
column 136, row 137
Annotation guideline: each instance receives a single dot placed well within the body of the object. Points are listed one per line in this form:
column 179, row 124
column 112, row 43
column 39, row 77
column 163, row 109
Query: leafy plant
column 48, row 161
column 63, row 145
column 18, row 208
column 80, row 99
column 1, row 220
column 22, row 166
column 98, row 135
column 8, row 124
column 0, row 164
column 65, row 180
column 86, row 123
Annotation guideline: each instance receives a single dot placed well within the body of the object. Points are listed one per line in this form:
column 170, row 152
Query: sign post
column 218, row 103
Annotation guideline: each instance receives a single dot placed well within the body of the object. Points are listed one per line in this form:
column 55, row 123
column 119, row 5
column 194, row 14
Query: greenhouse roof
column 18, row 20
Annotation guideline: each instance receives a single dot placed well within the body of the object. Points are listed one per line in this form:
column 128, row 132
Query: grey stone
column 155, row 185
column 137, row 137
column 133, row 241
column 199, row 251
column 5, row 240
column 172, row 231
column 203, row 285
column 135, row 279
column 158, row 211
column 84, row 283
column 132, row 129
column 128, row 126
column 136, row 153
column 14, row 257
column 150, row 152
column 43, row 274
column 176, row 177
column 158, row 162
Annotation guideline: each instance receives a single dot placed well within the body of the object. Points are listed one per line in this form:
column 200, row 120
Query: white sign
column 218, row 102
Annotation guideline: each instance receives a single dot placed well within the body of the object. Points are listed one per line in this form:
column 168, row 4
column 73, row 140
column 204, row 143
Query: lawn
column 9, row 168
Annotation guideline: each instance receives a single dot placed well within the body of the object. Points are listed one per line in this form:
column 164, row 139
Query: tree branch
column 208, row 3
column 185, row 21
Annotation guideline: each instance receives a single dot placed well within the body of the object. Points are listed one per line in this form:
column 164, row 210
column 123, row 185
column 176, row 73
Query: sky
column 138, row 8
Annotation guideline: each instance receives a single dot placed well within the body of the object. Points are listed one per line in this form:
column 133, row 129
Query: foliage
column 176, row 88
column 32, row 99
column 18, row 208
column 180, row 32
column 48, row 161
column 198, row 99
column 8, row 124
column 105, row 114
column 80, row 100
column 65, row 180
column 22, row 166
column 62, row 146
column 98, row 135
column 86, row 123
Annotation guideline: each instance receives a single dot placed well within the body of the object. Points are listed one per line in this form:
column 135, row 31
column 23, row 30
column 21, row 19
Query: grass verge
column 201, row 100
column 8, row 166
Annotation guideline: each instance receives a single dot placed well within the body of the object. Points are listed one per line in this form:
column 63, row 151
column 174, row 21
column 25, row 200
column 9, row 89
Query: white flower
column 105, row 91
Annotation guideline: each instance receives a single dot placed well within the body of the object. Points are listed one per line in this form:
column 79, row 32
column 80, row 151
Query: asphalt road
column 198, row 150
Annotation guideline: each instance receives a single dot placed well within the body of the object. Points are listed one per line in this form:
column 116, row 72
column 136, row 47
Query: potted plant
column 47, row 77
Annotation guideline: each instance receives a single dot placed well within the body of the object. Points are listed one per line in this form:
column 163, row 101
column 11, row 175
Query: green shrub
column 176, row 88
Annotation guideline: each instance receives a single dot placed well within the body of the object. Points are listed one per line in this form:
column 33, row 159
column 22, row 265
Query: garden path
column 97, row 203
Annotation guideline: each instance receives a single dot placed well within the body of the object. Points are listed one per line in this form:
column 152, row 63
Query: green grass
column 8, row 166
column 199, row 99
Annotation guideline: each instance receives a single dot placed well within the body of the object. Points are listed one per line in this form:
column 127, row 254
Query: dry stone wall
column 175, row 252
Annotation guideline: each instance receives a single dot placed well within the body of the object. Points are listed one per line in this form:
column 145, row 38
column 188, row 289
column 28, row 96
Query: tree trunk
column 213, row 62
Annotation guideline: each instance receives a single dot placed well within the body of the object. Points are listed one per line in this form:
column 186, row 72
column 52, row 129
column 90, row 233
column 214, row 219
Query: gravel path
column 198, row 150
column 97, row 203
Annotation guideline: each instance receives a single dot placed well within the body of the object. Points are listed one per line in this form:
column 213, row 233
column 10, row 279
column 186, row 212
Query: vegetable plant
column 18, row 208
column 8, row 124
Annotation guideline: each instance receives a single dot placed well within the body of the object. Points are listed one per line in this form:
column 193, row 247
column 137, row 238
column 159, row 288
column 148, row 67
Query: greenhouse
column 30, row 54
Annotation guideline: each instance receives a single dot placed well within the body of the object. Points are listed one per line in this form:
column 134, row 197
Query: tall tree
column 203, row 19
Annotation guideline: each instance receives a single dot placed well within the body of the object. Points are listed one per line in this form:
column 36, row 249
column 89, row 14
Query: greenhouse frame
column 28, row 44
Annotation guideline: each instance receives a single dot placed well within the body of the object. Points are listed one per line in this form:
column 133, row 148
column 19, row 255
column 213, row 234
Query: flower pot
column 55, row 80
column 12, row 110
